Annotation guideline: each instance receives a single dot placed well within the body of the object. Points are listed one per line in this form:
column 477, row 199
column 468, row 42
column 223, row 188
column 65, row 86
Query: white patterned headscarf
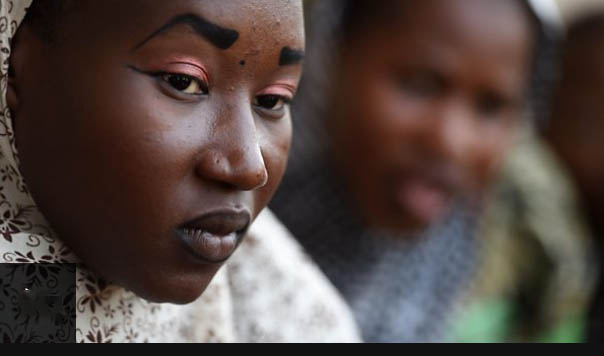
column 258, row 296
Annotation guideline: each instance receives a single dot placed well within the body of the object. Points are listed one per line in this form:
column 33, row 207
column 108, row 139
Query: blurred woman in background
column 405, row 115
column 576, row 130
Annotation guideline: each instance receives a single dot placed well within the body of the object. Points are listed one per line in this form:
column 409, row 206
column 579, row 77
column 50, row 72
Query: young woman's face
column 153, row 132
column 425, row 106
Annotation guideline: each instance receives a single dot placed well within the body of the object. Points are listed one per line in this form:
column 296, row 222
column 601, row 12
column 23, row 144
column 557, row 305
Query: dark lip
column 448, row 181
column 221, row 224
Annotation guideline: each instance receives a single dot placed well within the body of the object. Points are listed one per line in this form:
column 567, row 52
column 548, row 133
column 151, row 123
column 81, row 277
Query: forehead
column 255, row 20
column 491, row 37
column 456, row 23
column 469, row 23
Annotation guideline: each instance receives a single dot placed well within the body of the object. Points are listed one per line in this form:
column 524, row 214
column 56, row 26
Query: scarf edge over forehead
column 21, row 223
column 12, row 14
column 240, row 304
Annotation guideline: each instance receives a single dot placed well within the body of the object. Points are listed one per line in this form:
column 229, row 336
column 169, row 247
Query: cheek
column 487, row 156
column 138, row 134
column 122, row 157
column 382, row 122
column 402, row 119
column 275, row 141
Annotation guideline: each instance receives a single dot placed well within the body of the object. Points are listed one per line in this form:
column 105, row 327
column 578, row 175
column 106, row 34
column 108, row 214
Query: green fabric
column 485, row 323
column 537, row 272
column 571, row 331
column 493, row 322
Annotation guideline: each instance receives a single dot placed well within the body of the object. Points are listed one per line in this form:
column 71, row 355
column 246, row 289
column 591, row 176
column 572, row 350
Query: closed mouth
column 214, row 237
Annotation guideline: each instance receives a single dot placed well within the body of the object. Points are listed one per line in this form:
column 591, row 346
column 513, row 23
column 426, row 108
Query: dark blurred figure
column 576, row 131
column 403, row 120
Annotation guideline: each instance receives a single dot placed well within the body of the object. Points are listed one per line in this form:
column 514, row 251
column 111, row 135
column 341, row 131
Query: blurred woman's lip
column 424, row 200
column 212, row 238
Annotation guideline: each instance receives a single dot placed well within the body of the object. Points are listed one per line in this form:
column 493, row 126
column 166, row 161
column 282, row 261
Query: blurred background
column 447, row 169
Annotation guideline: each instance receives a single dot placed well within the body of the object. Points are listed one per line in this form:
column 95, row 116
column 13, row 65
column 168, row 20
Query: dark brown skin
column 118, row 158
column 576, row 130
column 426, row 105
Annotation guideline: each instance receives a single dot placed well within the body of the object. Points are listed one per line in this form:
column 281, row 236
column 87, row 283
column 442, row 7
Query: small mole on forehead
column 242, row 63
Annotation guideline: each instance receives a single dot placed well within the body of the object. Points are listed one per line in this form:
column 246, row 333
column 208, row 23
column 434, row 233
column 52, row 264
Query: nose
column 234, row 157
column 453, row 132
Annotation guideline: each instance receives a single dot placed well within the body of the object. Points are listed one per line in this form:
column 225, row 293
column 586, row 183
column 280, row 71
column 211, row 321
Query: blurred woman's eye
column 185, row 84
column 423, row 84
column 490, row 105
column 274, row 103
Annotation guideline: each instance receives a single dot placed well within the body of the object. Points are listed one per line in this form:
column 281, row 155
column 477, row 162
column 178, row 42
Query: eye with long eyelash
column 185, row 84
column 271, row 102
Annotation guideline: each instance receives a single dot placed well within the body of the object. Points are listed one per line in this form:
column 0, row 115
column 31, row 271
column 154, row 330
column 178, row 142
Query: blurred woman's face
column 154, row 132
column 576, row 130
column 425, row 106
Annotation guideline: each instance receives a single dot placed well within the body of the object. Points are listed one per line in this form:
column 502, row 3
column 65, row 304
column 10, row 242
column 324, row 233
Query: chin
column 400, row 224
column 178, row 290
column 408, row 226
column 180, row 296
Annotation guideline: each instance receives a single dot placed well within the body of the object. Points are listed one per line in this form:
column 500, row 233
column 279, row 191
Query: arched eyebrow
column 290, row 56
column 220, row 37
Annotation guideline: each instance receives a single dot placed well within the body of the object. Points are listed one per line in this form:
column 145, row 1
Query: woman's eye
column 185, row 84
column 271, row 102
column 423, row 84
column 490, row 105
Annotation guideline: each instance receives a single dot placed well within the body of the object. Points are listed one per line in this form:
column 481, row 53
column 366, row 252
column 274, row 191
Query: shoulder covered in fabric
column 280, row 295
